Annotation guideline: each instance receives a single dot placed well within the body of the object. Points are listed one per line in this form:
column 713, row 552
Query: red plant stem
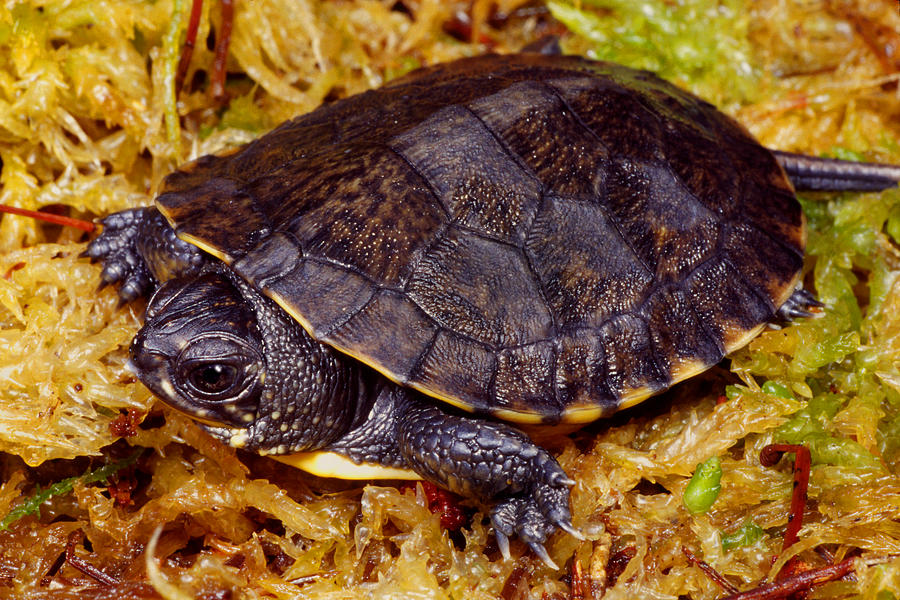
column 440, row 502
column 769, row 456
column 84, row 566
column 805, row 580
column 189, row 40
column 223, row 40
column 709, row 571
column 50, row 218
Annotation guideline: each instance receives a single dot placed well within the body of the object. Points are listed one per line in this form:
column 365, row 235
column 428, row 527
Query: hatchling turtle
column 392, row 278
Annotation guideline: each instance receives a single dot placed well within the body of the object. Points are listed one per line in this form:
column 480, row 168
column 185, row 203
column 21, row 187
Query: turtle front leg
column 471, row 457
column 139, row 250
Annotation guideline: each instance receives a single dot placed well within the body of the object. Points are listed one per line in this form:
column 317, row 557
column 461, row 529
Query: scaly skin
column 139, row 251
column 291, row 393
column 471, row 457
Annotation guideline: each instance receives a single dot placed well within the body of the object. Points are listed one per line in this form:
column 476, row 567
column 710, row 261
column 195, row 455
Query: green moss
column 403, row 66
column 777, row 389
column 32, row 504
column 847, row 356
column 696, row 42
column 845, row 154
column 704, row 487
column 244, row 113
column 747, row 535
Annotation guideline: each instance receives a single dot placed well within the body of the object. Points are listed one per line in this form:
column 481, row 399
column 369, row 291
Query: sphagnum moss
column 83, row 124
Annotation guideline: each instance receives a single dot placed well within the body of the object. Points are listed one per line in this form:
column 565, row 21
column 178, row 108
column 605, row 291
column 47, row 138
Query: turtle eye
column 213, row 379
column 220, row 384
column 216, row 379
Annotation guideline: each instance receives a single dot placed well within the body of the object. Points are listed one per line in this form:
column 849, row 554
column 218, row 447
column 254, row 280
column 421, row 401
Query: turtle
column 395, row 283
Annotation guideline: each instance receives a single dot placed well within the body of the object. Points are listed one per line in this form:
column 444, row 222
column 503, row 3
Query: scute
column 589, row 270
column 482, row 289
column 363, row 334
column 478, row 183
column 543, row 238
column 558, row 151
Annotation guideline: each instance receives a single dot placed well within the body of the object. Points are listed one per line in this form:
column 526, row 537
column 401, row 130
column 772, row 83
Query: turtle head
column 215, row 349
column 201, row 352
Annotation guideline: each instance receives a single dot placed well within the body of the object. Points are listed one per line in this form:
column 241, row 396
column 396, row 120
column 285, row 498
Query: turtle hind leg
column 800, row 305
column 494, row 462
column 473, row 457
column 811, row 173
column 139, row 250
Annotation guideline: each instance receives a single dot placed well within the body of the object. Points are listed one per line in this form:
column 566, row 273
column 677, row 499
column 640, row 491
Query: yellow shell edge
column 331, row 464
column 203, row 246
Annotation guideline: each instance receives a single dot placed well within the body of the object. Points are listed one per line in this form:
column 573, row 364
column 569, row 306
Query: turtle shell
column 542, row 238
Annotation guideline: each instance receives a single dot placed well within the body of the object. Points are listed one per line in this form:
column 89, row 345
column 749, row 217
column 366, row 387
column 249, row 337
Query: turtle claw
column 521, row 516
column 570, row 529
column 559, row 478
column 541, row 553
column 802, row 304
column 116, row 249
column 502, row 544
column 504, row 517
column 532, row 518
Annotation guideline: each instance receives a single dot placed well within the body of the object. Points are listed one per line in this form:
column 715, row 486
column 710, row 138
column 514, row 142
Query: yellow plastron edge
column 331, row 464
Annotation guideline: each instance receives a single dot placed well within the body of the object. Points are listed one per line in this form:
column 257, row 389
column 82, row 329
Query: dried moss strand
column 171, row 43
column 709, row 571
column 157, row 579
column 83, row 565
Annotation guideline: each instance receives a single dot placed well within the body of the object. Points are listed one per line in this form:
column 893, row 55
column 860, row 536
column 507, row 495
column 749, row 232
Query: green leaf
column 776, row 389
column 704, row 486
column 747, row 535
column 32, row 505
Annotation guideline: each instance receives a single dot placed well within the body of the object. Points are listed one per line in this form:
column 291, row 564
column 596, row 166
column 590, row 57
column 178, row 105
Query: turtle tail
column 811, row 173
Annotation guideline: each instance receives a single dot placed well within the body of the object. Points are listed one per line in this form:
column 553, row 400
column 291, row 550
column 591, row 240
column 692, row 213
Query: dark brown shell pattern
column 536, row 237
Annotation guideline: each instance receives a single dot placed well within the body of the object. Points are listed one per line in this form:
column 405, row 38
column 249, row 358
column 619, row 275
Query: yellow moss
column 88, row 121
